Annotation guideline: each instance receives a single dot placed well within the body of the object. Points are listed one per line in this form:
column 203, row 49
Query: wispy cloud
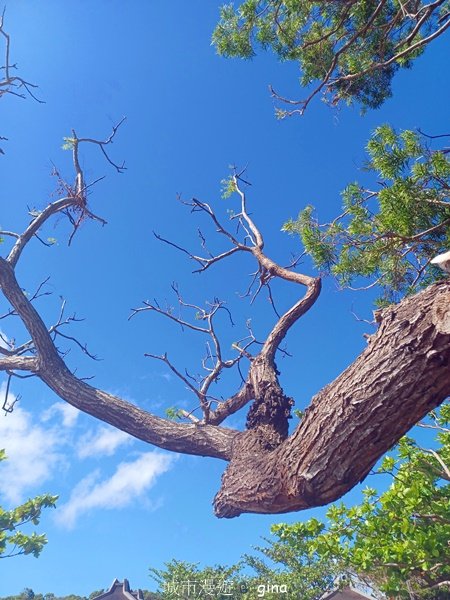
column 32, row 453
column 68, row 413
column 102, row 441
column 130, row 481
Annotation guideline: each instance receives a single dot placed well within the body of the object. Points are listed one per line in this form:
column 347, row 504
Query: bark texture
column 402, row 375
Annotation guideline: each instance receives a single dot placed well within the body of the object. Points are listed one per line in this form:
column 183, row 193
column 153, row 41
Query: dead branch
column 262, row 370
column 11, row 83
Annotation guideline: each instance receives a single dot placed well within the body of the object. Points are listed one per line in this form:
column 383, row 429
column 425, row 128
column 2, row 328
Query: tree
column 351, row 423
column 13, row 541
column 180, row 579
column 334, row 446
column 395, row 541
column 387, row 237
column 347, row 50
column 398, row 539
column 289, row 574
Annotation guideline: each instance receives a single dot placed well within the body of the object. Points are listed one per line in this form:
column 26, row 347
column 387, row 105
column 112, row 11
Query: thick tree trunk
column 402, row 375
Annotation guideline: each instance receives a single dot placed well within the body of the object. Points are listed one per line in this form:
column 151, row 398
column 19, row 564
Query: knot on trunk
column 269, row 416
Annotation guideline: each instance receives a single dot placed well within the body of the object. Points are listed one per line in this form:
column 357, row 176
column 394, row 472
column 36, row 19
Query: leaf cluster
column 399, row 539
column 13, row 541
column 386, row 237
column 353, row 48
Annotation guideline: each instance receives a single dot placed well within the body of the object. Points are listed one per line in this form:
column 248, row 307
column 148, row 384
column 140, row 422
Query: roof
column 120, row 591
column 347, row 593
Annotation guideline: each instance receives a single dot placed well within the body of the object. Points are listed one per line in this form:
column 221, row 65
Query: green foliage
column 13, row 541
column 399, row 539
column 69, row 143
column 228, row 187
column 350, row 49
column 173, row 413
column 182, row 579
column 29, row 593
column 306, row 576
column 388, row 236
column 96, row 593
column 283, row 572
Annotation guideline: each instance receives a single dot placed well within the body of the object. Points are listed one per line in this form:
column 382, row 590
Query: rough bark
column 403, row 374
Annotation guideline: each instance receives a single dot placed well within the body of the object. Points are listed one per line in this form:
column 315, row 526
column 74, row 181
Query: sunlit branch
column 35, row 225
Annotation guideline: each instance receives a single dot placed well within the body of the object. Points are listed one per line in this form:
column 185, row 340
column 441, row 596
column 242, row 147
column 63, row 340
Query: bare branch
column 10, row 83
column 8, row 406
column 119, row 168
column 166, row 360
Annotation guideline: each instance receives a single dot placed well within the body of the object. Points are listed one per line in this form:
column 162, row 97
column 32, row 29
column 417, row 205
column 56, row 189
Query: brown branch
column 202, row 440
column 354, row 420
column 35, row 225
column 262, row 373
column 18, row 363
column 101, row 144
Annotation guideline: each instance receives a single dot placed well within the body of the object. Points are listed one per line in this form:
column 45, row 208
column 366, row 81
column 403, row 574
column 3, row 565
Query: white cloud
column 102, row 441
column 130, row 481
column 68, row 413
column 31, row 450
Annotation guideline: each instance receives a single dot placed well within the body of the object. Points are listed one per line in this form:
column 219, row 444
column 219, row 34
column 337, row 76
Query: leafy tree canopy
column 13, row 541
column 386, row 236
column 29, row 593
column 398, row 539
column 282, row 571
column 347, row 49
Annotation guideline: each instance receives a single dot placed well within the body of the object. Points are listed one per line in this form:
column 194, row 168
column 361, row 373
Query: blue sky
column 125, row 506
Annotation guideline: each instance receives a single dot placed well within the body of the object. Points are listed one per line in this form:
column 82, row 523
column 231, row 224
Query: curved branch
column 35, row 225
column 401, row 375
column 203, row 440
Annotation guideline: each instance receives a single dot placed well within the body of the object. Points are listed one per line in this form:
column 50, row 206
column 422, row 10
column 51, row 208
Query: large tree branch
column 352, row 422
column 48, row 365
column 400, row 377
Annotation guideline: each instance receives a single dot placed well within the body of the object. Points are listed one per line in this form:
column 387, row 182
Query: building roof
column 120, row 590
column 347, row 593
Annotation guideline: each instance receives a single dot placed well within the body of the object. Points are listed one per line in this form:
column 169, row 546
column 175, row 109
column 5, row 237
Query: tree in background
column 347, row 50
column 397, row 540
column 13, row 541
column 283, row 570
column 386, row 237
column 29, row 593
